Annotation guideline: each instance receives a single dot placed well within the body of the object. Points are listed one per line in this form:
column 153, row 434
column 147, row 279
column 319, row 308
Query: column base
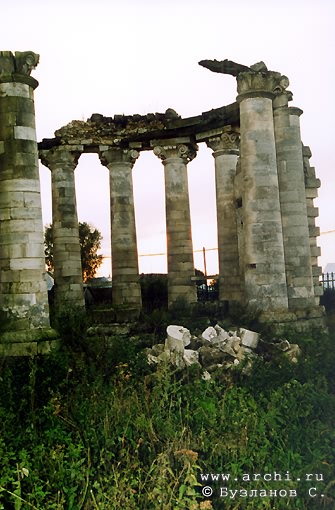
column 30, row 342
column 180, row 291
column 115, row 314
column 126, row 295
column 298, row 321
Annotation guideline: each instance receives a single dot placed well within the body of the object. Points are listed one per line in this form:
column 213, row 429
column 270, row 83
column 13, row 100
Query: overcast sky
column 131, row 56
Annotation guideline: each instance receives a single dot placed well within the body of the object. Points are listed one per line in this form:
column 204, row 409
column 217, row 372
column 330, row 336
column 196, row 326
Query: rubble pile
column 215, row 348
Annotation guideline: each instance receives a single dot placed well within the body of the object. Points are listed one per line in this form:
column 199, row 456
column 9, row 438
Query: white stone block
column 222, row 334
column 19, row 185
column 177, row 338
column 24, row 133
column 190, row 357
column 209, row 334
column 14, row 89
column 228, row 346
column 26, row 263
column 249, row 338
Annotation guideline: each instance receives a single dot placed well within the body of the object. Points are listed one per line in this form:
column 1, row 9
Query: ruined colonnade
column 264, row 197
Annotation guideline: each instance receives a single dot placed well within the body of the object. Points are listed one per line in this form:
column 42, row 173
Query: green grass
column 94, row 428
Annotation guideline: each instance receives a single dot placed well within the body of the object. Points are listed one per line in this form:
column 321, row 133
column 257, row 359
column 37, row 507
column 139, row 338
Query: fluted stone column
column 265, row 279
column 175, row 157
column 297, row 251
column 225, row 152
column 62, row 162
column 24, row 311
column 125, row 274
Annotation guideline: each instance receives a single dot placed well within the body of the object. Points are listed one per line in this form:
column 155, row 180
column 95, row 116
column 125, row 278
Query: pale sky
column 114, row 57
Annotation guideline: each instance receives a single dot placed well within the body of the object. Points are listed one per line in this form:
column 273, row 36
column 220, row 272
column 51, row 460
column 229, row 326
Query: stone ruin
column 216, row 350
column 265, row 187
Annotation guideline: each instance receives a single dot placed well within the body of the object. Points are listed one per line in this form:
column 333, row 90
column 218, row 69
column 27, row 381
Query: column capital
column 183, row 151
column 282, row 99
column 61, row 156
column 227, row 143
column 17, row 68
column 118, row 155
column 260, row 84
column 294, row 110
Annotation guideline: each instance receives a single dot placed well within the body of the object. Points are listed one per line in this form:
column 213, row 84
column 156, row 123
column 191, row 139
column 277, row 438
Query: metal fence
column 328, row 280
column 207, row 288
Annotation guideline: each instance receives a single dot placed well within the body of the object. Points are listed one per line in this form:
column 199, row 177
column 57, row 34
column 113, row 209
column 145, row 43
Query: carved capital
column 228, row 141
column 117, row 156
column 23, row 62
column 186, row 152
column 257, row 84
column 26, row 61
column 60, row 157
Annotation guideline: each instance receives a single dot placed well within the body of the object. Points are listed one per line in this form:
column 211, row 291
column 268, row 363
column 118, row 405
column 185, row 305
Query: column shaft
column 125, row 274
column 311, row 192
column 67, row 259
column 265, row 280
column 225, row 153
column 23, row 290
column 293, row 204
column 178, row 222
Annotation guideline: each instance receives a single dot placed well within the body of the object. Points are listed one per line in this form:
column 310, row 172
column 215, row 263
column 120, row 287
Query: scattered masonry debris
column 216, row 349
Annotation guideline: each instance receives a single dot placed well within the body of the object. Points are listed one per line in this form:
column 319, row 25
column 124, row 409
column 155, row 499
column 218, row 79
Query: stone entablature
column 138, row 131
column 265, row 186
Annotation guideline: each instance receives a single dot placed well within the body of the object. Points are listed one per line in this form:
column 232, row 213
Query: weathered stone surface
column 175, row 156
column 191, row 357
column 293, row 204
column 265, row 187
column 67, row 259
column 262, row 236
column 217, row 356
column 231, row 346
column 209, row 355
column 249, row 338
column 224, row 66
column 125, row 275
column 225, row 152
column 209, row 334
column 23, row 292
column 177, row 338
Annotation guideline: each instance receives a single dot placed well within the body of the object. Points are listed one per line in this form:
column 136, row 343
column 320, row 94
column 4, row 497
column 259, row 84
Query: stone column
column 297, row 251
column 125, row 275
column 265, row 279
column 311, row 191
column 226, row 151
column 24, row 311
column 62, row 162
column 175, row 157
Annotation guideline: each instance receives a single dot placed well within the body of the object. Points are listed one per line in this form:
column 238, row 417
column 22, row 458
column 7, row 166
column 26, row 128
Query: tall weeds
column 89, row 428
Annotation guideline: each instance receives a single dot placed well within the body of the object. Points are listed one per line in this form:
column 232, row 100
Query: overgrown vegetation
column 92, row 427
